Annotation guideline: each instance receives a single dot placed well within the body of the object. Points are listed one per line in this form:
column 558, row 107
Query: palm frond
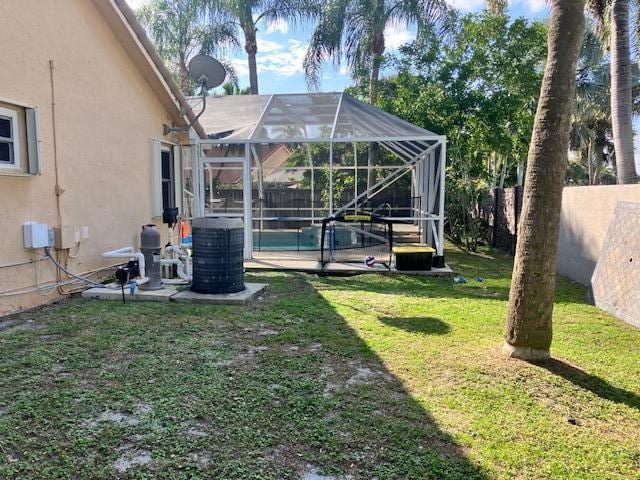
column 326, row 40
column 294, row 11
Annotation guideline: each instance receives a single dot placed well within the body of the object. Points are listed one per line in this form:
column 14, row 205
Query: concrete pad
column 99, row 293
column 307, row 261
column 251, row 292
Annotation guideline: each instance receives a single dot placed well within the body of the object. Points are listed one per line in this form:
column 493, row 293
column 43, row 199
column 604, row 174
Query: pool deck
column 309, row 262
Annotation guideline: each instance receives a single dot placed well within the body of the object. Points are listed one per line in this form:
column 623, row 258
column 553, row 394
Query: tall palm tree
column 179, row 30
column 616, row 14
column 354, row 31
column 529, row 326
column 246, row 15
column 591, row 127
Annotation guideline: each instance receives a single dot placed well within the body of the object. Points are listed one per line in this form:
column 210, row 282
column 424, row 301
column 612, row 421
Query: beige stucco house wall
column 110, row 100
column 584, row 221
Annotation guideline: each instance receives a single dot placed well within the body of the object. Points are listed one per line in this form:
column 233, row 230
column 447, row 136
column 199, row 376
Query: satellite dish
column 207, row 71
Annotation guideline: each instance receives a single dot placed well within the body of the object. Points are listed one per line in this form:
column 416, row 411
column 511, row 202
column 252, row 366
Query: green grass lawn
column 325, row 377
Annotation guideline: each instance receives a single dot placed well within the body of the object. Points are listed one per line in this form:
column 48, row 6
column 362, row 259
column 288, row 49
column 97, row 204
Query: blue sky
column 281, row 49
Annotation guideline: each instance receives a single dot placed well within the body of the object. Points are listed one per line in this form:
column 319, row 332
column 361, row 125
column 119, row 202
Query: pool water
column 275, row 240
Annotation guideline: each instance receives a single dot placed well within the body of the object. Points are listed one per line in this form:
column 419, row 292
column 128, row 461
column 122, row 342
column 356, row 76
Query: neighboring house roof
column 304, row 117
column 133, row 38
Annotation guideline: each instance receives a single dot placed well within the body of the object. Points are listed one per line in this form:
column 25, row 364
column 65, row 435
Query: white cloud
column 267, row 46
column 396, row 35
column 280, row 25
column 280, row 59
column 240, row 66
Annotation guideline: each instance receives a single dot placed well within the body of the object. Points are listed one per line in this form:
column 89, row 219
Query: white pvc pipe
column 179, row 267
column 177, row 249
column 127, row 252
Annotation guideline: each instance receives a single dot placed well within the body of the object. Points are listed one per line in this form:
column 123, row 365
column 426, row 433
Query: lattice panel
column 616, row 280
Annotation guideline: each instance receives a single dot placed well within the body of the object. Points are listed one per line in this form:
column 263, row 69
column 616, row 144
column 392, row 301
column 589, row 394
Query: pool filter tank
column 217, row 255
column 150, row 248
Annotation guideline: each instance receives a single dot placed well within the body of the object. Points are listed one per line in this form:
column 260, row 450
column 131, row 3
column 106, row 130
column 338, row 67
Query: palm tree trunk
column 621, row 101
column 590, row 162
column 598, row 163
column 529, row 328
column 183, row 76
column 251, row 47
column 373, row 98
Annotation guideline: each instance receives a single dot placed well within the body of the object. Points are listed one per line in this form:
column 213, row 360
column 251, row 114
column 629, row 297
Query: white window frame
column 15, row 138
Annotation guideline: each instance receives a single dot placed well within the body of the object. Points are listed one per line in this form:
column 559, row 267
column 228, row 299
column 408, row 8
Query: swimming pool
column 307, row 238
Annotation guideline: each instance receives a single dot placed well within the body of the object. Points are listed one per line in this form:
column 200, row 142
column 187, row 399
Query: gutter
column 140, row 32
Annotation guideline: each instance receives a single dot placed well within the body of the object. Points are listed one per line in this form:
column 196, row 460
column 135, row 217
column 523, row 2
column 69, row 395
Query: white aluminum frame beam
column 247, row 202
column 241, row 141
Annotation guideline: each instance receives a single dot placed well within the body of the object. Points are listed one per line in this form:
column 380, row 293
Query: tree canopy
column 480, row 89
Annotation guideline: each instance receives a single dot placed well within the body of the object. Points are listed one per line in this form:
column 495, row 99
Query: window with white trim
column 9, row 139
column 168, row 180
column 166, row 177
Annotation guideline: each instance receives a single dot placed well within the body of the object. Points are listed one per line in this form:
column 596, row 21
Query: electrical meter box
column 65, row 237
column 36, row 235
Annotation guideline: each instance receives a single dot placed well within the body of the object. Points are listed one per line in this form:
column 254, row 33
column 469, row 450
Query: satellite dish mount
column 208, row 73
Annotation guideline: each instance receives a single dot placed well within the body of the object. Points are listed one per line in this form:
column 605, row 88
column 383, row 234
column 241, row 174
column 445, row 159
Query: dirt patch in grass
column 202, row 459
column 131, row 458
column 119, row 418
column 17, row 324
column 196, row 429
column 314, row 473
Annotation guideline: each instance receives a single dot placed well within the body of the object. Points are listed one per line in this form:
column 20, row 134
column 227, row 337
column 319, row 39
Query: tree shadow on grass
column 374, row 427
column 426, row 325
column 282, row 388
column 594, row 384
